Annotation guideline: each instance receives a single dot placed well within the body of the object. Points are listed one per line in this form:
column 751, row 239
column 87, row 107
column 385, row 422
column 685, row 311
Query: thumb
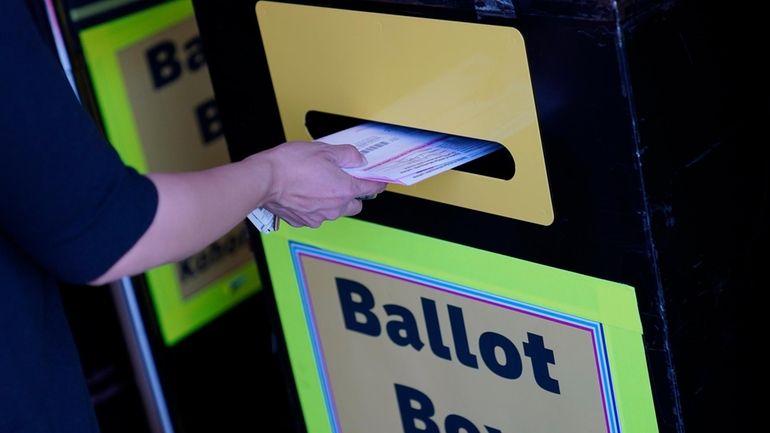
column 346, row 156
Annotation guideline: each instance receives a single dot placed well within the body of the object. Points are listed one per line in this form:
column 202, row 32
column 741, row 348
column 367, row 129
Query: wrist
column 262, row 177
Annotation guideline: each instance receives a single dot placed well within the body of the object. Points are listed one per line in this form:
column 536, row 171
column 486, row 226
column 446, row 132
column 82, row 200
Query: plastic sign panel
column 154, row 93
column 466, row 79
column 390, row 331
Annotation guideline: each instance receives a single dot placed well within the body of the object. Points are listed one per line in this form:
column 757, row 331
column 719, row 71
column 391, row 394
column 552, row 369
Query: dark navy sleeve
column 66, row 198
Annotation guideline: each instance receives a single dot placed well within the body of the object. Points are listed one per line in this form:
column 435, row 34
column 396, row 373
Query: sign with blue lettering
column 392, row 335
column 442, row 338
column 154, row 94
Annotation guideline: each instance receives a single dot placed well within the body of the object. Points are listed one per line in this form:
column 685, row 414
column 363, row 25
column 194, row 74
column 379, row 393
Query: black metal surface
column 105, row 359
column 698, row 96
column 217, row 378
column 652, row 182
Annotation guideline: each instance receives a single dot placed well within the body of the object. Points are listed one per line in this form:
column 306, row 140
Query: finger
column 293, row 222
column 353, row 207
column 314, row 221
column 309, row 219
column 291, row 218
column 368, row 188
column 346, row 156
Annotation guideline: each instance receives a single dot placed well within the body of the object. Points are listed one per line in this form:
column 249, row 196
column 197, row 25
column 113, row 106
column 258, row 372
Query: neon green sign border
column 177, row 317
column 613, row 305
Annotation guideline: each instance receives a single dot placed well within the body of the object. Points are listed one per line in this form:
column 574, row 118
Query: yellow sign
column 459, row 78
column 155, row 97
column 168, row 85
column 402, row 351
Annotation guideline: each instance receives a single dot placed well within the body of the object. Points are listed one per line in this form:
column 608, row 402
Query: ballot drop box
column 519, row 293
column 191, row 330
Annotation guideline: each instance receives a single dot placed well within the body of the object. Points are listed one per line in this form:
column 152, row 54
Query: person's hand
column 308, row 186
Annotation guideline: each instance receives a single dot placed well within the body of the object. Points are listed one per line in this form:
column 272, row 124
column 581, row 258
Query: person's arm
column 74, row 208
column 300, row 182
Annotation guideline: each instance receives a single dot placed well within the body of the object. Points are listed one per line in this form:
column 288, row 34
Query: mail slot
column 521, row 295
column 499, row 164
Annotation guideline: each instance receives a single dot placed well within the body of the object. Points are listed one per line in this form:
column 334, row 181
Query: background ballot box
column 563, row 284
column 174, row 348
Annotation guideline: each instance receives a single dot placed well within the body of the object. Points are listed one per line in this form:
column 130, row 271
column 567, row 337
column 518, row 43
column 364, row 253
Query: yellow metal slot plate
column 459, row 78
